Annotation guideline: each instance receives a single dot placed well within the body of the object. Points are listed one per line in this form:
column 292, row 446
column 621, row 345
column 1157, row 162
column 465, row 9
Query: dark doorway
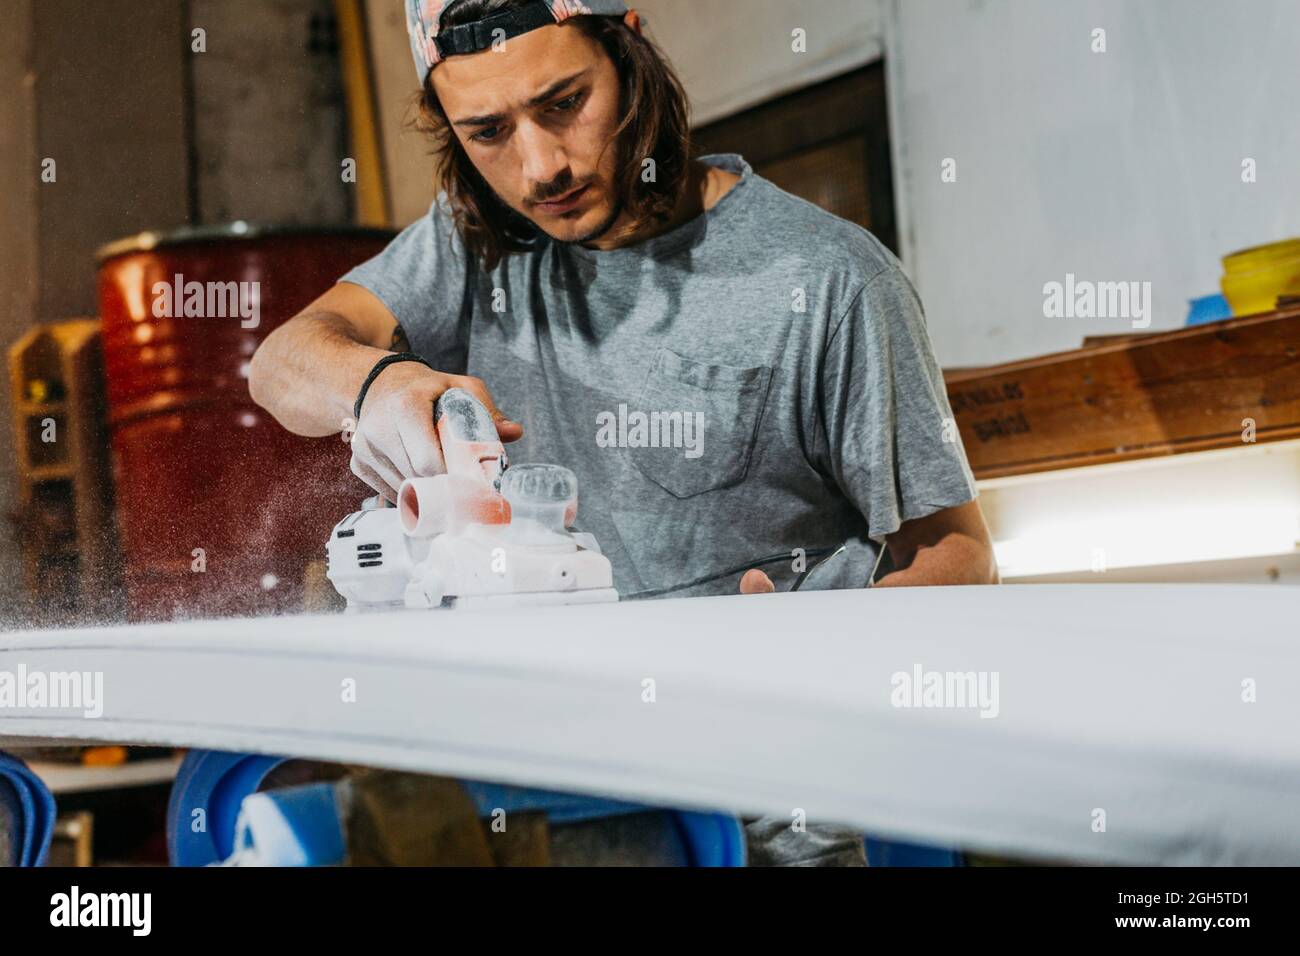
column 827, row 143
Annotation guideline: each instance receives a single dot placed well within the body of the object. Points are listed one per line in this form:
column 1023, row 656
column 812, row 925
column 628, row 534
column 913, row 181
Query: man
column 736, row 377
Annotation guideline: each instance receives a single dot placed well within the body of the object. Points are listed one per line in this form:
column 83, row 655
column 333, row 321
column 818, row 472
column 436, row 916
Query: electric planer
column 483, row 533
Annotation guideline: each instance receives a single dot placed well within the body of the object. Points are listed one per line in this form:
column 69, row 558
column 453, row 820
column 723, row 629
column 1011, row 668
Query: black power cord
column 825, row 554
column 798, row 582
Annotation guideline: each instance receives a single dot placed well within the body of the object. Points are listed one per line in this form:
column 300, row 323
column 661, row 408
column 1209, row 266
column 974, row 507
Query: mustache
column 555, row 189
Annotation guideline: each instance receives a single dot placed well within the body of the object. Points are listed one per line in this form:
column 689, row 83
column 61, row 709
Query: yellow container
column 1254, row 278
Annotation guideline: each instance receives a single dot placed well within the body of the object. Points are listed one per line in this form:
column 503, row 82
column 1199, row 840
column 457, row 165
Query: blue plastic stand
column 217, row 782
column 29, row 805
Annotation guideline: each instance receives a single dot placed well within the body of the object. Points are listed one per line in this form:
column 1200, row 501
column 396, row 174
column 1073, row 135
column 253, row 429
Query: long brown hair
column 654, row 124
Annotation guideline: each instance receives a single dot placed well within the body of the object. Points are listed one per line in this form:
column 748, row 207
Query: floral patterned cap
column 430, row 43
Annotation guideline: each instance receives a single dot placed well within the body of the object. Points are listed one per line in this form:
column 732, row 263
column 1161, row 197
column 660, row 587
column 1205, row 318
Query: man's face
column 536, row 121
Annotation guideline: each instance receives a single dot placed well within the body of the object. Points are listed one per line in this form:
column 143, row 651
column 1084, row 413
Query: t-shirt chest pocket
column 693, row 427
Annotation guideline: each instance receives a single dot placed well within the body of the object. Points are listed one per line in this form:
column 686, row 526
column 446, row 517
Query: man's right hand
column 306, row 373
column 396, row 439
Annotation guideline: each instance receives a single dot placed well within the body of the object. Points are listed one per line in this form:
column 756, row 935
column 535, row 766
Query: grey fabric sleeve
column 422, row 277
column 889, row 440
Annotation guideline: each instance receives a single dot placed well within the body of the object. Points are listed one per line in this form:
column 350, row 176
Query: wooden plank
column 363, row 129
column 1091, row 340
column 1187, row 390
column 408, row 167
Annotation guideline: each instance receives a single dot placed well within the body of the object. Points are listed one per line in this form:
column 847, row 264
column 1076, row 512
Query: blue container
column 1208, row 308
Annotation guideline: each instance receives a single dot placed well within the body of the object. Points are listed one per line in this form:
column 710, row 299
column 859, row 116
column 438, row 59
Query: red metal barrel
column 219, row 508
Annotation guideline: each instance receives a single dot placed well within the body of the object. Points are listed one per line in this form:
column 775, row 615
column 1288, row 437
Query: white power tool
column 484, row 533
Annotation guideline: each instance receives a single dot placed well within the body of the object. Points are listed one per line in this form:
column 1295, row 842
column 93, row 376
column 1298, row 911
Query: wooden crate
column 1187, row 390
column 64, row 507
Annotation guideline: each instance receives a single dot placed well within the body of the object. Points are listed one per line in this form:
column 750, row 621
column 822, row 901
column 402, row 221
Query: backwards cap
column 431, row 44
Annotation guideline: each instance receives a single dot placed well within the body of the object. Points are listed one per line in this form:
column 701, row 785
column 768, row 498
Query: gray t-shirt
column 756, row 383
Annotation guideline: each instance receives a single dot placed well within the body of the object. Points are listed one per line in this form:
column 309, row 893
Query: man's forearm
column 954, row 559
column 307, row 373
